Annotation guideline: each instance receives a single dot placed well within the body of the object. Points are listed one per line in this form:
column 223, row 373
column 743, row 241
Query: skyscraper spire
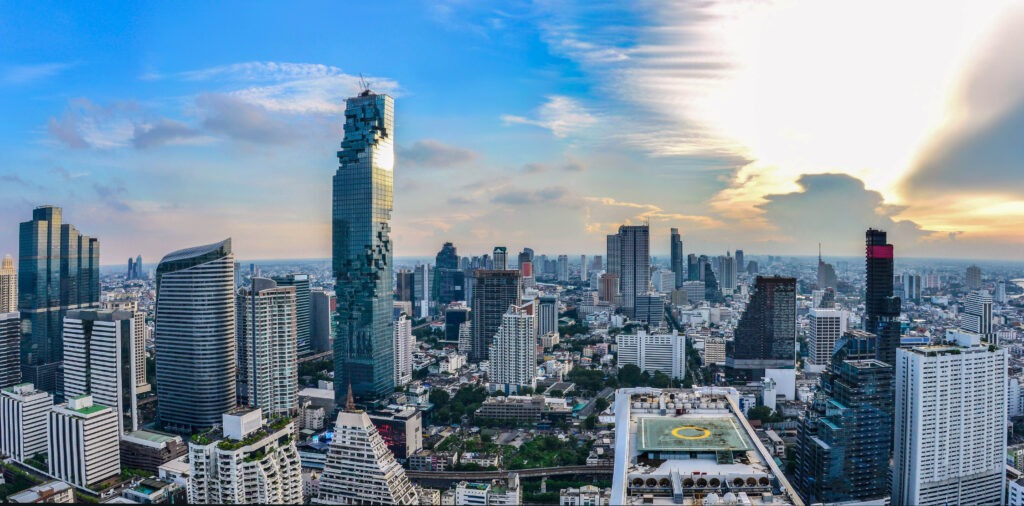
column 350, row 402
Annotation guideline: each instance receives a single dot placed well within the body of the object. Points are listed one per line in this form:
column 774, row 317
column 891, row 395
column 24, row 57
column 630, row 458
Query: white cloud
column 562, row 115
column 25, row 74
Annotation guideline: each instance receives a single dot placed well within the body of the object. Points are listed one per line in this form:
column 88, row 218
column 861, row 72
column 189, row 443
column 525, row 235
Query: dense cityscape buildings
column 651, row 378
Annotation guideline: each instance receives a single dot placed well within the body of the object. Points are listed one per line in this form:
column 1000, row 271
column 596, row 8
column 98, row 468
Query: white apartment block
column 825, row 327
column 977, row 315
column 267, row 347
column 139, row 337
column 246, row 463
column 495, row 493
column 83, row 442
column 101, row 360
column 714, row 350
column 23, row 417
column 653, row 352
column 513, row 353
column 950, row 419
column 404, row 343
column 360, row 468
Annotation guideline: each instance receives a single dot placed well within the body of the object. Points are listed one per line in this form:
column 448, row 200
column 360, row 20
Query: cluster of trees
column 764, row 414
column 549, row 451
column 448, row 409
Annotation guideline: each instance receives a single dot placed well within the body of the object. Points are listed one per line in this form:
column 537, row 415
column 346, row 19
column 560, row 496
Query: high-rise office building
column 23, row 417
column 712, row 291
column 650, row 309
column 740, row 266
column 500, row 258
column 525, row 256
column 824, row 328
column 583, row 269
column 268, row 372
column 83, row 442
column 653, row 352
column 404, row 343
column 360, row 468
column 10, row 349
column 101, row 359
column 598, row 264
column 58, row 270
column 563, row 268
column 422, row 295
column 547, row 314
column 727, row 269
column 454, row 317
column 194, row 336
column 246, row 462
column 363, row 195
column 907, row 286
column 765, row 337
column 449, row 279
column 950, row 440
column 493, row 293
column 973, row 278
column 826, row 273
column 613, row 254
column 140, row 336
column 695, row 291
column 678, row 261
column 693, row 269
column 633, row 256
column 513, row 353
column 608, row 289
column 321, row 315
column 881, row 308
column 8, row 286
column 404, row 285
column 304, row 332
column 845, row 436
column 977, row 315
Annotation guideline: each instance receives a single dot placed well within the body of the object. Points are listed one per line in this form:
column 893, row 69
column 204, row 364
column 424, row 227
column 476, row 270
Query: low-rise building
column 587, row 495
column 23, row 413
column 51, row 492
column 148, row 450
column 495, row 493
column 82, row 442
column 402, row 430
column 430, row 460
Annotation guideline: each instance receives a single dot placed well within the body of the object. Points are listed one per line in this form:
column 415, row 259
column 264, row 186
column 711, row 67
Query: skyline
column 153, row 138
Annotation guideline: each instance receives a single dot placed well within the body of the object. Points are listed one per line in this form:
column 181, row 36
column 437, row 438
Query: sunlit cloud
column 562, row 115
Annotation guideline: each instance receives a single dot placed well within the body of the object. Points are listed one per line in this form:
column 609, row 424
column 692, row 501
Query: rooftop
column 688, row 433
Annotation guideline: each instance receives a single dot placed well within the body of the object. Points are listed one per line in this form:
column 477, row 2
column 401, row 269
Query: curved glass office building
column 194, row 338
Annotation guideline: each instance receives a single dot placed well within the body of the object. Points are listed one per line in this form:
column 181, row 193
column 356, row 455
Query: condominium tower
column 513, row 353
column 194, row 337
column 266, row 328
column 950, row 439
column 363, row 200
column 630, row 249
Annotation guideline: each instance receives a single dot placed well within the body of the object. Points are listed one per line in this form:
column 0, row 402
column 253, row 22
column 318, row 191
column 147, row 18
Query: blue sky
column 768, row 127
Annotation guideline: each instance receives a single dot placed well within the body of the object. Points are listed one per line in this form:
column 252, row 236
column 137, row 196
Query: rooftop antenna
column 819, row 252
column 364, row 85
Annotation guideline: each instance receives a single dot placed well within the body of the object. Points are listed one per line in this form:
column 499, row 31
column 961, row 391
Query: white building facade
column 825, row 327
column 653, row 352
column 360, row 468
column 82, row 441
column 23, row 417
column 101, row 359
column 250, row 464
column 950, row 418
column 404, row 343
column 267, row 346
column 513, row 353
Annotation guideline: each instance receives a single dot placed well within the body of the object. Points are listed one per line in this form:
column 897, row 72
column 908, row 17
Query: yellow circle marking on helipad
column 680, row 432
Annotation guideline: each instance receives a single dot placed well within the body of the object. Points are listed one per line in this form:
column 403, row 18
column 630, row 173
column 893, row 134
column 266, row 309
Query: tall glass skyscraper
column 58, row 270
column 363, row 200
column 678, row 262
column 881, row 309
column 194, row 337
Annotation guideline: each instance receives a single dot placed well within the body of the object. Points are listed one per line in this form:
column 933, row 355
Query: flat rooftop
column 691, row 434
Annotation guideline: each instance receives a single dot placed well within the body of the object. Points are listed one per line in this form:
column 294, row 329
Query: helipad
column 682, row 434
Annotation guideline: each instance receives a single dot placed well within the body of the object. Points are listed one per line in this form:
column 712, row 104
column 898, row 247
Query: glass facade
column 58, row 269
column 765, row 337
column 881, row 309
column 194, row 337
column 363, row 200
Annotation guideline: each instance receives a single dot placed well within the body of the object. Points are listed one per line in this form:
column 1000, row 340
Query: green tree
column 590, row 422
column 630, row 376
column 762, row 413
column 661, row 380
column 601, row 404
